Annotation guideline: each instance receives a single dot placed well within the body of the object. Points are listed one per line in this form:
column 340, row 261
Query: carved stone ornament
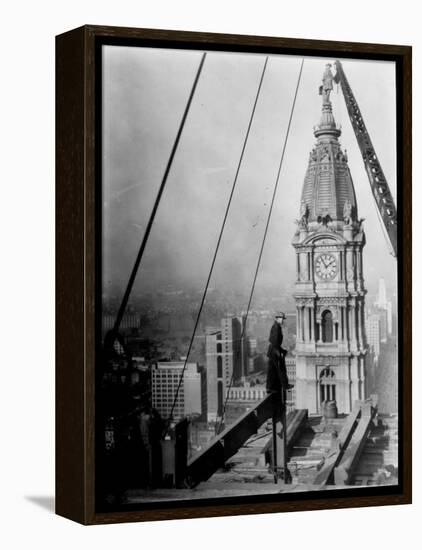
column 328, row 360
column 325, row 242
column 333, row 308
column 333, row 300
column 305, row 302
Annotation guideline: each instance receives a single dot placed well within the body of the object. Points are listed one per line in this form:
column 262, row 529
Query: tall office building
column 165, row 378
column 385, row 309
column 373, row 333
column 226, row 361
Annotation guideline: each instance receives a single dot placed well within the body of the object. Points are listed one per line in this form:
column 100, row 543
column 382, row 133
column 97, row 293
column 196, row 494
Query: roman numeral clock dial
column 326, row 266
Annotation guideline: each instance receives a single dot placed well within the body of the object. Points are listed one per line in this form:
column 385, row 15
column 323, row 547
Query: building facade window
column 219, row 367
column 327, row 326
column 219, row 398
column 327, row 387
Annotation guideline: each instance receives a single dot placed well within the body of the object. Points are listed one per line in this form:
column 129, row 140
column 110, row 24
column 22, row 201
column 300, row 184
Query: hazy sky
column 144, row 96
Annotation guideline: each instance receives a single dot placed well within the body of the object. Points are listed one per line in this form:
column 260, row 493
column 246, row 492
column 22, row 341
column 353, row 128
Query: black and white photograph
column 210, row 237
column 247, row 343
column 210, row 240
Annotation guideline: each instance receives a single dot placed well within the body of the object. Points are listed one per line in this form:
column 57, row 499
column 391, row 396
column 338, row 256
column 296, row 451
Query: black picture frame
column 78, row 208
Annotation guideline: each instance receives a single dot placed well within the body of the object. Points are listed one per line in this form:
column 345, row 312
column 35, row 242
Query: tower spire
column 328, row 193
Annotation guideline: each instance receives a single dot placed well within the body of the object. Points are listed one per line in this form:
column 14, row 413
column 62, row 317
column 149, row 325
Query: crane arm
column 377, row 180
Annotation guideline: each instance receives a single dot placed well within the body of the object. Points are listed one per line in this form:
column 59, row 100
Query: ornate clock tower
column 329, row 290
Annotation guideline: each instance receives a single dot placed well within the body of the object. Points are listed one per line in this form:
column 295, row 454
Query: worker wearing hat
column 277, row 373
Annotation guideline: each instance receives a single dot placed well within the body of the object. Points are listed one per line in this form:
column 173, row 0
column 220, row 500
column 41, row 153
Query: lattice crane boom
column 380, row 189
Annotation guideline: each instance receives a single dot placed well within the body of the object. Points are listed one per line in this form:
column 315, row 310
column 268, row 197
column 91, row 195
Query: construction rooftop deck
column 248, row 472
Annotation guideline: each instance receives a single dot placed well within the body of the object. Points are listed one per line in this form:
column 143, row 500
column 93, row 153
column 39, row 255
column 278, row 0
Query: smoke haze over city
column 145, row 92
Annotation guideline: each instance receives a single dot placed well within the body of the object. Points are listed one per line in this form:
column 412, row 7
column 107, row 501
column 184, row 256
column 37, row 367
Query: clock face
column 326, row 266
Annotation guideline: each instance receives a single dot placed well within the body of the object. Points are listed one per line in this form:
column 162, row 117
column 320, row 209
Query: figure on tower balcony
column 304, row 214
column 277, row 373
column 327, row 84
column 347, row 212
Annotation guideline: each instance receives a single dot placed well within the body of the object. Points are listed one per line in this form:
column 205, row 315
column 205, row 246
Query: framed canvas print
column 233, row 274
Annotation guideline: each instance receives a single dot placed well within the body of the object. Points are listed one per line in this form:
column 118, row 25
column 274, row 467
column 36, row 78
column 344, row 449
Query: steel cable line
column 132, row 277
column 219, row 237
column 265, row 235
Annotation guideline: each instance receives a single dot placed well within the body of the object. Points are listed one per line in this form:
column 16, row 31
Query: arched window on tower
column 327, row 385
column 219, row 366
column 327, row 326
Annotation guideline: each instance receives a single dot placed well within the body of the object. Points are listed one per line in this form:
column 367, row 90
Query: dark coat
column 275, row 351
column 276, row 374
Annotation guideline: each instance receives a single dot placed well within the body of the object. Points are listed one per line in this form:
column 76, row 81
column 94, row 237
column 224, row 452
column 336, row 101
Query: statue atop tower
column 327, row 84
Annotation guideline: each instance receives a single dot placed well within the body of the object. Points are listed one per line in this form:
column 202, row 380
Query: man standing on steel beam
column 277, row 372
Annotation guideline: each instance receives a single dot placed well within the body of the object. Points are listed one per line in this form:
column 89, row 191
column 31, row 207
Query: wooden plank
column 262, row 410
column 344, row 471
column 226, row 444
column 344, row 437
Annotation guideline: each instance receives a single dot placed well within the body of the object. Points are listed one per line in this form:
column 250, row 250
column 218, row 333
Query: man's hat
column 280, row 314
